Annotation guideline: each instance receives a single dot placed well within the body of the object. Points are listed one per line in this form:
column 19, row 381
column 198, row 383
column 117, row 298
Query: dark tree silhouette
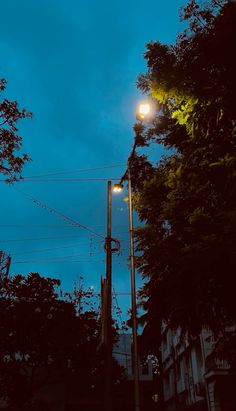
column 188, row 201
column 10, row 142
column 47, row 337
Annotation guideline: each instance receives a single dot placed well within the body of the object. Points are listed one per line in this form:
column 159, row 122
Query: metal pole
column 108, row 345
column 133, row 298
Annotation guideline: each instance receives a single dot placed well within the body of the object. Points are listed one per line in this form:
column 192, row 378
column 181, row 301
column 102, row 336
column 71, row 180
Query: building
column 193, row 377
column 122, row 352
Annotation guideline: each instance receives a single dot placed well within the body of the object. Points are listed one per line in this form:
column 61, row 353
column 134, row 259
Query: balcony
column 216, row 366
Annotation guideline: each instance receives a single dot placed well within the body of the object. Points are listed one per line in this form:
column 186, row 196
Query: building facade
column 122, row 352
column 193, row 377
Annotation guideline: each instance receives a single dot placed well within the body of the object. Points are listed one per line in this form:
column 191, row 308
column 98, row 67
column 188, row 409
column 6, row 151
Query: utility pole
column 133, row 300
column 108, row 300
column 118, row 187
column 111, row 245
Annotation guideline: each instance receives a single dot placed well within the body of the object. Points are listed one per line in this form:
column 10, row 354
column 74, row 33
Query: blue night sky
column 74, row 64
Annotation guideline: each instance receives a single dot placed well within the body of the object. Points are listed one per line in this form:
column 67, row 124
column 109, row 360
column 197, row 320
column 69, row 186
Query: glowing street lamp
column 118, row 188
column 143, row 111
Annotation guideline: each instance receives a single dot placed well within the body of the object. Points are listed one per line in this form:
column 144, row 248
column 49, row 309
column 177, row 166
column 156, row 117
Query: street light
column 143, row 112
column 118, row 188
column 112, row 245
column 108, row 309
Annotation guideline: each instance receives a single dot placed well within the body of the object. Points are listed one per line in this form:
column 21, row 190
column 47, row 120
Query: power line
column 59, row 214
column 74, row 171
column 61, row 257
column 41, row 180
column 123, row 293
column 10, row 240
column 118, row 307
column 54, row 248
column 55, row 261
column 35, row 225
column 37, row 238
column 57, row 226
column 116, row 293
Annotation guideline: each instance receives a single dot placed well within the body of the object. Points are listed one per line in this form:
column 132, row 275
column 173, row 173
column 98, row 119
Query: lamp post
column 143, row 112
column 108, row 309
column 111, row 246
column 133, row 300
column 118, row 188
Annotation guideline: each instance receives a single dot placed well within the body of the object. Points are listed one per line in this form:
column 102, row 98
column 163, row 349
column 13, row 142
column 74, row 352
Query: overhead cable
column 54, row 248
column 74, row 171
column 59, row 214
column 55, row 261
column 10, row 240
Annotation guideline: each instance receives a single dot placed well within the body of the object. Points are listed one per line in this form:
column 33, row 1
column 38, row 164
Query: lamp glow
column 117, row 188
column 144, row 110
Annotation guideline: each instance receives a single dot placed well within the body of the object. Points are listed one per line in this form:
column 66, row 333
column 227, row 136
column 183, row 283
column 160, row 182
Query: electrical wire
column 75, row 171
column 56, row 226
column 37, row 238
column 59, row 257
column 114, row 294
column 43, row 180
column 59, row 214
column 35, row 225
column 10, row 240
column 53, row 248
column 55, row 261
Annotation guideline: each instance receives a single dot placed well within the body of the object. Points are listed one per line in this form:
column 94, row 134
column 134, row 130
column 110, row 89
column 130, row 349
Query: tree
column 188, row 201
column 46, row 337
column 10, row 142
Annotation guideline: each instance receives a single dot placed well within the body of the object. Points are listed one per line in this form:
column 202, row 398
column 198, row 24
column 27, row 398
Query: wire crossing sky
column 64, row 217
column 74, row 64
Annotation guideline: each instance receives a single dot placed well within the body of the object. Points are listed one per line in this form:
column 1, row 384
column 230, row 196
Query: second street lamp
column 112, row 245
column 108, row 309
column 118, row 188
column 144, row 112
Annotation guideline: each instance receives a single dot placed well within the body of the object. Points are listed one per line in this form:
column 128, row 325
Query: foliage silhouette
column 187, row 251
column 47, row 337
column 10, row 142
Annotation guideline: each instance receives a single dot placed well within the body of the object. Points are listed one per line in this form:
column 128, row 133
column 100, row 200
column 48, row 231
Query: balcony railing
column 216, row 363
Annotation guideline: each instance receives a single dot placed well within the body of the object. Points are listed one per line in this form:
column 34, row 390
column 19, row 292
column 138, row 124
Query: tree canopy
column 10, row 142
column 187, row 202
column 47, row 337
